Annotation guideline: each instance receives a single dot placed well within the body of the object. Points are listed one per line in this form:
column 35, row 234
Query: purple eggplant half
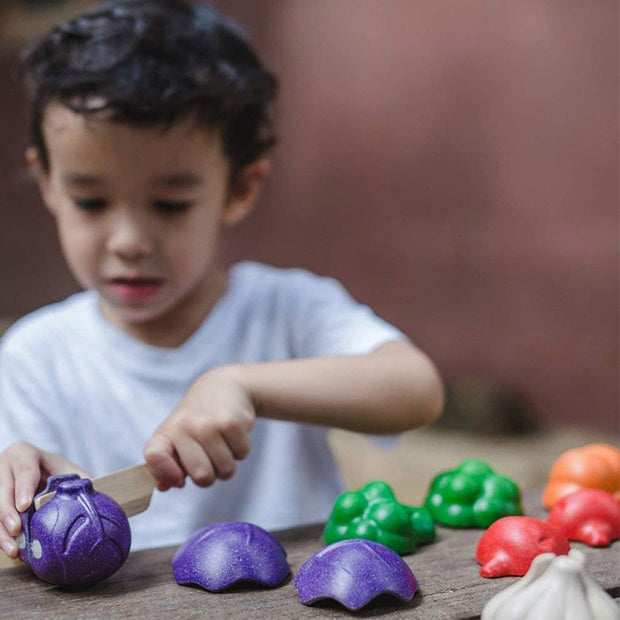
column 353, row 572
column 222, row 554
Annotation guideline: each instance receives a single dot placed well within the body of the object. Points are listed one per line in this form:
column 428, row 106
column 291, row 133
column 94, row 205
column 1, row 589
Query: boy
column 150, row 129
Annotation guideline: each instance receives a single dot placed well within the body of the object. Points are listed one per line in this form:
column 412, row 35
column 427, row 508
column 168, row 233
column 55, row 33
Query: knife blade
column 132, row 488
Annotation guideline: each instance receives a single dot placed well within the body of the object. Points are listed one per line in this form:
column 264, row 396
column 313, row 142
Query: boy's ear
column 245, row 190
column 40, row 175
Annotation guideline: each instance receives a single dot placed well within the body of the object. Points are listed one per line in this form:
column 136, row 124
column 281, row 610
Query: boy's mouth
column 134, row 289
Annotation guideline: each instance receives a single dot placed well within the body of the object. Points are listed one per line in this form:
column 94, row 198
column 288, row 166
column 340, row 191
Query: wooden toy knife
column 132, row 488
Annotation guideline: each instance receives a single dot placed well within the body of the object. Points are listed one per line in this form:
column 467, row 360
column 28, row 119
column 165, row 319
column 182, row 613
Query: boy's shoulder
column 51, row 324
column 273, row 280
column 253, row 269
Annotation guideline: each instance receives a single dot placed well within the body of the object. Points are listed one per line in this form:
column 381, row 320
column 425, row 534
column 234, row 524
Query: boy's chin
column 128, row 315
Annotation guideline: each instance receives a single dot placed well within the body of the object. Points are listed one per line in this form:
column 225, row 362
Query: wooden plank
column 447, row 571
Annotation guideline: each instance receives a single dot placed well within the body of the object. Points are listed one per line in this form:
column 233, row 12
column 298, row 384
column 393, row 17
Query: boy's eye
column 172, row 206
column 90, row 204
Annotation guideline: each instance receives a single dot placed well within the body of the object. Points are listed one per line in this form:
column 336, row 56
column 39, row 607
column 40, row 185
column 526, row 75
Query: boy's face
column 139, row 212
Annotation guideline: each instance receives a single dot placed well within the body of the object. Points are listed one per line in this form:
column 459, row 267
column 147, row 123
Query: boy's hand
column 23, row 471
column 205, row 434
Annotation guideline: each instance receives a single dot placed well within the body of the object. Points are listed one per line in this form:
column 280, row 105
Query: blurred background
column 455, row 165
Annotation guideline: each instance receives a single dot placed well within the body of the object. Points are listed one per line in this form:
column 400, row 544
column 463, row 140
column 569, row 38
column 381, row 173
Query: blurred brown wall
column 455, row 164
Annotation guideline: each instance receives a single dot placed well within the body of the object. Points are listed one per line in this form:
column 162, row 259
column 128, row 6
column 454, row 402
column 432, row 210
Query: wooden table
column 144, row 588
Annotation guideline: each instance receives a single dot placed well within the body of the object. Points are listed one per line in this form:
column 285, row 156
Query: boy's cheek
column 49, row 196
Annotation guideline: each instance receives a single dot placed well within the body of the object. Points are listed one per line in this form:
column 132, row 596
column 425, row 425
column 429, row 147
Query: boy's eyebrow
column 80, row 178
column 182, row 180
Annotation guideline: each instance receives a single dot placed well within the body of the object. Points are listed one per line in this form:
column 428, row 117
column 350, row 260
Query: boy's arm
column 329, row 379
column 393, row 389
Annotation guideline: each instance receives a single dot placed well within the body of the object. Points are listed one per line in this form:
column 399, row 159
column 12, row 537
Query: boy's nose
column 129, row 240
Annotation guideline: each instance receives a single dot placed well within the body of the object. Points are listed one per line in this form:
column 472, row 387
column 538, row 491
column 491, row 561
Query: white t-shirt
column 74, row 384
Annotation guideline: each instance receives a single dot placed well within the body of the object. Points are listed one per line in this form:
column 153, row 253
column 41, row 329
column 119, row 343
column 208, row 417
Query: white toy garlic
column 554, row 588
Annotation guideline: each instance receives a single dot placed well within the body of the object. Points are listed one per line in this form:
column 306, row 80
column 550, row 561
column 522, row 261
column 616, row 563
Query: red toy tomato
column 590, row 515
column 511, row 543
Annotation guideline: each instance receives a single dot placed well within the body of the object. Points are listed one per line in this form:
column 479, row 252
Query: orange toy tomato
column 595, row 466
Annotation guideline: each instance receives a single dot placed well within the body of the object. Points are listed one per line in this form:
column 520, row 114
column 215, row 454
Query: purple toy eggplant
column 222, row 554
column 353, row 572
column 79, row 537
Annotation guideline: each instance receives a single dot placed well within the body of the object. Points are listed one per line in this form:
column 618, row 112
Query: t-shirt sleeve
column 327, row 321
column 27, row 399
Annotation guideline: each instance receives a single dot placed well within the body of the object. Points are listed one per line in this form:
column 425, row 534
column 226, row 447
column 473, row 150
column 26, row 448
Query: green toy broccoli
column 472, row 495
column 373, row 513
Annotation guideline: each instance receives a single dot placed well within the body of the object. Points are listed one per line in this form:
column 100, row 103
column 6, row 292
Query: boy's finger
column 159, row 454
column 220, row 455
column 8, row 515
column 11, row 522
column 238, row 441
column 196, row 462
column 26, row 474
column 7, row 543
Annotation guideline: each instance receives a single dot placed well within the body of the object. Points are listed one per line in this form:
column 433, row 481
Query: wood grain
column 450, row 587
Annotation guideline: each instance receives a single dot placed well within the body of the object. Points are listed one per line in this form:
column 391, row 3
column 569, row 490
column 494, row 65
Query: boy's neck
column 174, row 328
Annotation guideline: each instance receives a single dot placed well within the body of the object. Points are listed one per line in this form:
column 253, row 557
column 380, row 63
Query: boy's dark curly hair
column 150, row 62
